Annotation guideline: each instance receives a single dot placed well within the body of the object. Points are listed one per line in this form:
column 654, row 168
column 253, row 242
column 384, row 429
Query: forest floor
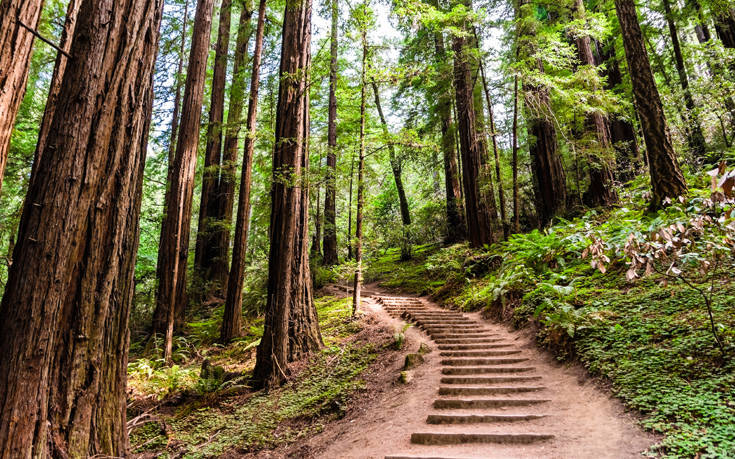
column 584, row 419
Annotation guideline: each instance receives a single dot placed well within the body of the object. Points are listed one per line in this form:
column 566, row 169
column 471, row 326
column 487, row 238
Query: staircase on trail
column 489, row 394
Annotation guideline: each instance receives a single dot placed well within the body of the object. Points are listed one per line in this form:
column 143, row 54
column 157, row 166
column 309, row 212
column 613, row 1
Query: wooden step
column 479, row 403
column 484, row 370
column 485, row 353
column 489, row 379
column 460, row 438
column 477, row 362
column 488, row 390
column 480, row 419
column 468, row 347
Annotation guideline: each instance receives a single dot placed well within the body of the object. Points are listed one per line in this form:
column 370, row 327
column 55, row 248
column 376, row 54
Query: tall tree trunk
column 228, row 175
column 479, row 220
column 231, row 321
column 600, row 191
column 316, row 243
column 397, row 169
column 174, row 246
column 16, row 43
column 725, row 27
column 330, row 201
column 494, row 135
column 549, row 178
column 64, row 329
column 622, row 132
column 514, row 160
column 349, row 207
column 357, row 282
column 209, row 267
column 291, row 327
column 179, row 85
column 667, row 180
column 72, row 12
column 696, row 137
column 455, row 224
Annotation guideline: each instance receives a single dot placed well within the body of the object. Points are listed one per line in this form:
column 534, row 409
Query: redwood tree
column 64, row 315
column 479, row 217
column 174, row 246
column 667, row 180
column 600, row 191
column 549, row 178
column 16, row 43
column 210, row 266
column 455, row 224
column 330, row 204
column 231, row 321
column 291, row 328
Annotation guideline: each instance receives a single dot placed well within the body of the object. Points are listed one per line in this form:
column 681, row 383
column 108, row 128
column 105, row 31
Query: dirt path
column 483, row 392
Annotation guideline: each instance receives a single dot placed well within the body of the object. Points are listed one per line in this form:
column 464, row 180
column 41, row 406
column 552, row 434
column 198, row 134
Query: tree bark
column 549, row 178
column 696, row 137
column 455, row 224
column 174, row 246
column 64, row 315
column 16, row 44
column 479, row 223
column 357, row 283
column 72, row 11
column 231, row 321
column 177, row 95
column 330, row 202
column 210, row 267
column 667, row 180
column 600, row 191
column 291, row 327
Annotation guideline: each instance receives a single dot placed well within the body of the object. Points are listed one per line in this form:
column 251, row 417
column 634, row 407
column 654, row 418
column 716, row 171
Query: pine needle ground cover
column 651, row 337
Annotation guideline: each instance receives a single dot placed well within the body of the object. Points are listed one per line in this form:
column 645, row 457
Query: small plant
column 399, row 338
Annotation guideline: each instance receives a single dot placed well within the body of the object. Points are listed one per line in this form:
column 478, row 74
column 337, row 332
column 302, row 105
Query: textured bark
column 210, row 267
column 174, row 246
column 15, row 57
column 549, row 178
column 64, row 315
column 231, row 321
column 479, row 226
column 357, row 282
column 72, row 10
column 666, row 177
column 291, row 327
column 455, row 224
column 695, row 137
column 600, row 191
column 177, row 94
column 330, row 203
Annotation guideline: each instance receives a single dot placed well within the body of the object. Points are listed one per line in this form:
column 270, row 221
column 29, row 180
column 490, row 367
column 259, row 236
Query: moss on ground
column 209, row 419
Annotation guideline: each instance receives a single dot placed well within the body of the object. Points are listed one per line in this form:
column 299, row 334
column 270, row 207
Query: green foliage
column 650, row 338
